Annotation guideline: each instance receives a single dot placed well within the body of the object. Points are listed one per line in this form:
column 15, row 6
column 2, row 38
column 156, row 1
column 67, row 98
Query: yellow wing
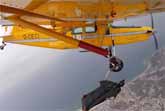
column 83, row 10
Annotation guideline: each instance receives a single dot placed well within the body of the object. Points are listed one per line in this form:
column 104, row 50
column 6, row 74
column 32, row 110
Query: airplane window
column 90, row 29
column 77, row 30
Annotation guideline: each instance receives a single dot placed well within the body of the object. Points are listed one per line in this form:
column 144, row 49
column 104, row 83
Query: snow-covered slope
column 145, row 93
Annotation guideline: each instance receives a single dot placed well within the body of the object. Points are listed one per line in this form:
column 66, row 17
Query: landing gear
column 2, row 46
column 115, row 64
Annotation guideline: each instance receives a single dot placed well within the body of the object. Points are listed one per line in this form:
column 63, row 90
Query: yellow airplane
column 68, row 24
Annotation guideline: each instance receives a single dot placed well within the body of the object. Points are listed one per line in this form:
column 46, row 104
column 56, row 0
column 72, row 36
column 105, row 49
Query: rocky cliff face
column 145, row 93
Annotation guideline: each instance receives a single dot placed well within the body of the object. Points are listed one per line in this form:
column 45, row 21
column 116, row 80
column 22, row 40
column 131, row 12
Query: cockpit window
column 79, row 30
column 90, row 29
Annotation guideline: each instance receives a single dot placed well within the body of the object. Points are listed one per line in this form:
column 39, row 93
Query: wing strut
column 154, row 34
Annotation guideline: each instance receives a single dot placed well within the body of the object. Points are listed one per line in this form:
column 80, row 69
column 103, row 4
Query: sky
column 40, row 79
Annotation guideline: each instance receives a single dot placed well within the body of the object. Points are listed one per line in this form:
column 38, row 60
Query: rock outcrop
column 145, row 93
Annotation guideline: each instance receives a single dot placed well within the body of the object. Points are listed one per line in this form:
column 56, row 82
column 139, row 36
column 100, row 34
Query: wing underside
column 83, row 10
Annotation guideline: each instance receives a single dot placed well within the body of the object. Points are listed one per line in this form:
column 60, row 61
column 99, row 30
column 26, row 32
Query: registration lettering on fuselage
column 31, row 36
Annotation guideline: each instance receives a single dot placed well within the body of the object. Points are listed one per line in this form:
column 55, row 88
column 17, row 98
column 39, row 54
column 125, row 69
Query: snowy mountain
column 145, row 93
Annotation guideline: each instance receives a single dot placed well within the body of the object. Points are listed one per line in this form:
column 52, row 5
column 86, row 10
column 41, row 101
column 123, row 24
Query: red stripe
column 93, row 48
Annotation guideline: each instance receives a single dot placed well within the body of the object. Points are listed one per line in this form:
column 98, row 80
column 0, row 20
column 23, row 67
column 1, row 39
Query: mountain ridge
column 144, row 93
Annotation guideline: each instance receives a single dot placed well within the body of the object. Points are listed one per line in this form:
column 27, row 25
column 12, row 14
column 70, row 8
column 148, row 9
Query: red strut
column 92, row 48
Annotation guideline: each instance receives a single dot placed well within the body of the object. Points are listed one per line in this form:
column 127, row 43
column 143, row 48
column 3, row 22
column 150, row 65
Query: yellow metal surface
column 51, row 33
column 21, row 12
column 75, row 11
column 84, row 9
column 101, row 9
column 101, row 12
column 35, row 3
column 25, row 36
column 120, row 40
column 129, row 29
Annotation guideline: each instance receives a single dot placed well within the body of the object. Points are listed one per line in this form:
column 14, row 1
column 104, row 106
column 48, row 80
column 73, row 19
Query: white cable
column 107, row 75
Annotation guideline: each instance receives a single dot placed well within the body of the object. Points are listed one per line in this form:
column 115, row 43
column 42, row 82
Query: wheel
column 116, row 64
column 1, row 48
